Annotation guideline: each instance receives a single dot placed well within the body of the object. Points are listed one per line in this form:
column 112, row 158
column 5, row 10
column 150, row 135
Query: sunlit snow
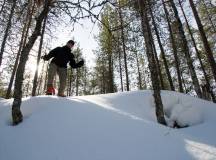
column 119, row 126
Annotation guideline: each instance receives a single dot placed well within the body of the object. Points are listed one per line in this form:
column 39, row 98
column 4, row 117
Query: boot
column 61, row 95
column 50, row 91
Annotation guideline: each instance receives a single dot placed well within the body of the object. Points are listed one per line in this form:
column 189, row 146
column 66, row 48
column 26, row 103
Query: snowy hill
column 119, row 126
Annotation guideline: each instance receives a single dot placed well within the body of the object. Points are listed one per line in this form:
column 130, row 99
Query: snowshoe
column 50, row 91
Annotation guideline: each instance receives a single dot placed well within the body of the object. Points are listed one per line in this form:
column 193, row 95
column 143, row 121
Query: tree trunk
column 70, row 81
column 152, row 64
column 110, row 84
column 120, row 65
column 7, row 96
column 41, row 79
column 22, row 43
column 186, row 51
column 124, row 48
column 8, row 27
column 138, row 71
column 162, row 52
column 2, row 7
column 177, row 61
column 197, row 53
column 85, row 80
column 209, row 17
column 207, row 47
column 157, row 64
column 138, row 66
column 35, row 81
column 77, row 82
column 103, row 87
column 110, row 79
column 16, row 112
column 46, row 78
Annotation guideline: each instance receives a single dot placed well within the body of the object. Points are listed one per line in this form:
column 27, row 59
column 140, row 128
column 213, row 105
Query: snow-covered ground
column 119, row 126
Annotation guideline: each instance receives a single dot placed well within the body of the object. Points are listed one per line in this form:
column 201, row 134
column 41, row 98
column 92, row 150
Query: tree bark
column 207, row 47
column 186, row 51
column 8, row 27
column 152, row 64
column 177, row 61
column 16, row 112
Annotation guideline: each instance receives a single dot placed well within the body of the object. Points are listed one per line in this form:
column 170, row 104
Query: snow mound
column 1, row 98
column 186, row 116
column 181, row 109
column 120, row 126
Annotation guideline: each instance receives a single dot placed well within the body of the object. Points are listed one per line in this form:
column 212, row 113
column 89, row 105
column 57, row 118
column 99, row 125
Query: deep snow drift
column 119, row 126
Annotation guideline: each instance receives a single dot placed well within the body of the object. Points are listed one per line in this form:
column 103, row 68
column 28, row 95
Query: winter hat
column 71, row 42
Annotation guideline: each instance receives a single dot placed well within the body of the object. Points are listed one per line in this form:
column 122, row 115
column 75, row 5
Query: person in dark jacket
column 60, row 58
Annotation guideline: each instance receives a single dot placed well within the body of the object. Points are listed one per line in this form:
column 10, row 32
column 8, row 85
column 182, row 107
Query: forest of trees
column 142, row 44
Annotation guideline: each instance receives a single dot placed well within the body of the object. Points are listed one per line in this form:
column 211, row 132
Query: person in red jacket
column 61, row 56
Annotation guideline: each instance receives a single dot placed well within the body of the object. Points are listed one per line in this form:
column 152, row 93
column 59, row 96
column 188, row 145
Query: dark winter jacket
column 61, row 56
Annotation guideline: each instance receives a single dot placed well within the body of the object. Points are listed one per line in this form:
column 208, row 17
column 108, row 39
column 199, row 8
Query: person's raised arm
column 73, row 63
column 51, row 54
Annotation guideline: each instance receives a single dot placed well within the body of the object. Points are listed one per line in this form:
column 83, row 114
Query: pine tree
column 144, row 13
column 174, row 47
column 206, row 45
column 106, row 43
column 25, row 32
column 16, row 113
column 162, row 52
column 186, row 51
column 123, row 44
column 8, row 27
column 197, row 52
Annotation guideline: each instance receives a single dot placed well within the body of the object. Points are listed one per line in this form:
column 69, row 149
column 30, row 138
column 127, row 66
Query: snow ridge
column 120, row 126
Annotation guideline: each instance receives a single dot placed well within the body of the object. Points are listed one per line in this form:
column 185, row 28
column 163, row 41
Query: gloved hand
column 45, row 58
column 73, row 64
column 81, row 63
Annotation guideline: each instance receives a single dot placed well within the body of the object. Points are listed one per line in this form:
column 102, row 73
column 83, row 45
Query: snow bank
column 186, row 115
column 181, row 109
column 118, row 126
